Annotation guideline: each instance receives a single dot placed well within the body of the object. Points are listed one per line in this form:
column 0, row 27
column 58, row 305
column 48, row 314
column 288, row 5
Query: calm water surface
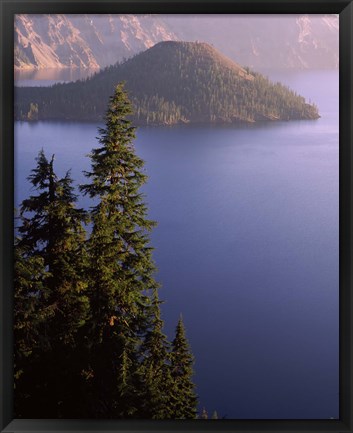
column 246, row 247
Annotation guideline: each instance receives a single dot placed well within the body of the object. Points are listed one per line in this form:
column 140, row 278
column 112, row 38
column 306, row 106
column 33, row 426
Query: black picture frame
column 8, row 8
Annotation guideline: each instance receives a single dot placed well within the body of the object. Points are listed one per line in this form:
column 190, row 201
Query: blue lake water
column 246, row 246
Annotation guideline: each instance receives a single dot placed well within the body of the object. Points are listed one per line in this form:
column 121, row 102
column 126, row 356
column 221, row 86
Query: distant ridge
column 100, row 40
column 171, row 83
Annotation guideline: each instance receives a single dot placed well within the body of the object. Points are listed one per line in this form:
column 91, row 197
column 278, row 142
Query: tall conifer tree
column 89, row 335
column 121, row 266
column 51, row 235
column 155, row 368
column 184, row 399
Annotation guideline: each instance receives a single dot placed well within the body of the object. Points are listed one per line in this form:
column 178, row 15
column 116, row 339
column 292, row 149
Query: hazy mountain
column 87, row 41
column 170, row 83
column 265, row 42
column 259, row 41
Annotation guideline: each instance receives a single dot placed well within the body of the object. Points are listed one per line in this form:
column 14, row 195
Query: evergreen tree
column 121, row 266
column 52, row 229
column 89, row 340
column 51, row 235
column 29, row 275
column 184, row 399
column 156, row 368
column 204, row 414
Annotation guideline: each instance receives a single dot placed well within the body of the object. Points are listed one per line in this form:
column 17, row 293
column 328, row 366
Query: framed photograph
column 176, row 212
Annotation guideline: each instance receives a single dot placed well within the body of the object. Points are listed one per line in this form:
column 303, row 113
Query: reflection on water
column 48, row 77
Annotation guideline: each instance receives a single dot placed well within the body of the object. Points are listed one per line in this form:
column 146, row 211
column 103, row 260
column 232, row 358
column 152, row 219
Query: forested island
column 170, row 83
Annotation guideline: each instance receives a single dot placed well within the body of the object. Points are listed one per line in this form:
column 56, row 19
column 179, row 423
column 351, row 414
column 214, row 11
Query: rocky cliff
column 95, row 41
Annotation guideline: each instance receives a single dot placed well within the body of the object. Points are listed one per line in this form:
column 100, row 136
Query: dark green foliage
column 172, row 82
column 121, row 265
column 50, row 301
column 156, row 369
column 52, row 229
column 88, row 330
column 29, row 275
column 184, row 399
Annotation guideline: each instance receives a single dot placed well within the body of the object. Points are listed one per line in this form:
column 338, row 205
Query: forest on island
column 170, row 83
column 89, row 339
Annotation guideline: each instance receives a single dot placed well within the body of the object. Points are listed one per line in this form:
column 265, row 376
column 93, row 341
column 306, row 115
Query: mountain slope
column 267, row 41
column 84, row 41
column 259, row 41
column 172, row 82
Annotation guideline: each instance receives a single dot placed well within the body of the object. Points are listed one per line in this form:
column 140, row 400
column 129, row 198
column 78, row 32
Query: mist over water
column 246, row 247
column 48, row 77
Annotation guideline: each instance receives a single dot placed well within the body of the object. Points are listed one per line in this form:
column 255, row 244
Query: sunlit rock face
column 84, row 41
column 96, row 41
